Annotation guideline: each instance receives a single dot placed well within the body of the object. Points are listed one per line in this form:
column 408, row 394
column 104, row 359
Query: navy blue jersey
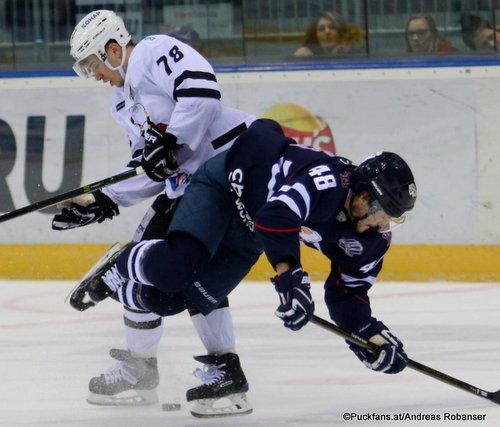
column 288, row 194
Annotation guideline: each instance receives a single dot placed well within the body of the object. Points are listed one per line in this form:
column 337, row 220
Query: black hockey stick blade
column 496, row 397
column 419, row 367
column 89, row 188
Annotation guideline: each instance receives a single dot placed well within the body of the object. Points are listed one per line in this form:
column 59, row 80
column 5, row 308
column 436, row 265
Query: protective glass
column 87, row 67
column 384, row 222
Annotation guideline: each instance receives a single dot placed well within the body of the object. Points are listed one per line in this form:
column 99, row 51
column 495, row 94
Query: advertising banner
column 58, row 134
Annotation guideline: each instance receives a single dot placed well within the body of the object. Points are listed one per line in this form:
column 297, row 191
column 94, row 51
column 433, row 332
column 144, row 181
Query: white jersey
column 138, row 188
column 176, row 86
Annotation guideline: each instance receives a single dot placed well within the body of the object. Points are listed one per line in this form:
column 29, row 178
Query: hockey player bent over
column 269, row 193
column 159, row 82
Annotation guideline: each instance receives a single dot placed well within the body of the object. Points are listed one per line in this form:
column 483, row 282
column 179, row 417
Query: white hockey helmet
column 91, row 35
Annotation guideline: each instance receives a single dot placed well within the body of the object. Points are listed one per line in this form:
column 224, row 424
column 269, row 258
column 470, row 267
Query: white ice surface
column 309, row 378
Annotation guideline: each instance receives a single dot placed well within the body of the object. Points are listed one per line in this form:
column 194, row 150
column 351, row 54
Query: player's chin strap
column 355, row 219
column 119, row 68
column 423, row 369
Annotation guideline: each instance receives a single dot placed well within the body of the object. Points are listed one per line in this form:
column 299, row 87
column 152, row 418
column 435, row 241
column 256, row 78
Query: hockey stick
column 89, row 188
column 426, row 370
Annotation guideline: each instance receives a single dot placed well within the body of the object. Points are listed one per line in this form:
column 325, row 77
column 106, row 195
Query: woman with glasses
column 422, row 36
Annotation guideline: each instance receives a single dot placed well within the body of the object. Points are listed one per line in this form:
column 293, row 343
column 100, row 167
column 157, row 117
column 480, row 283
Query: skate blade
column 109, row 253
column 229, row 406
column 126, row 398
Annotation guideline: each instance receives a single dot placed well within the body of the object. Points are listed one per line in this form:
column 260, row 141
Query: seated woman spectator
column 478, row 34
column 422, row 36
column 329, row 35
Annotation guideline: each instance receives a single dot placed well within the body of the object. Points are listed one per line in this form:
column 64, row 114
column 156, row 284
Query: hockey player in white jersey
column 163, row 90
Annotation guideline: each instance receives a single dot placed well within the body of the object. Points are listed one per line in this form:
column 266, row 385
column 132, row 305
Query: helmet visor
column 88, row 66
column 383, row 221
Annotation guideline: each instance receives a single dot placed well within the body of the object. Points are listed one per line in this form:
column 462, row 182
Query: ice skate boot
column 99, row 283
column 131, row 382
column 223, row 392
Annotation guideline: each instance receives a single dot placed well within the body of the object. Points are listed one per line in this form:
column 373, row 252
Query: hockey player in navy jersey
column 158, row 82
column 268, row 193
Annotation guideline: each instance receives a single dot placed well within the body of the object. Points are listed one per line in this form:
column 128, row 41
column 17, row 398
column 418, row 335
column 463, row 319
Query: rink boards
column 443, row 120
column 465, row 263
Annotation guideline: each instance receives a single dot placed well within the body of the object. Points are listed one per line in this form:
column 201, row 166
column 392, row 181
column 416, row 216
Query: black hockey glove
column 158, row 157
column 100, row 208
column 390, row 357
column 297, row 306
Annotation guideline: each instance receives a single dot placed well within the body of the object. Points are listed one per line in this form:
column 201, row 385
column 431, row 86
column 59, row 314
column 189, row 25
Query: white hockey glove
column 84, row 210
column 390, row 357
column 158, row 157
column 297, row 306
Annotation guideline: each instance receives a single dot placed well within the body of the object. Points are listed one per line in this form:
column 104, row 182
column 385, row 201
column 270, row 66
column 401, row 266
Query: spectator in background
column 329, row 35
column 422, row 36
column 478, row 34
column 189, row 36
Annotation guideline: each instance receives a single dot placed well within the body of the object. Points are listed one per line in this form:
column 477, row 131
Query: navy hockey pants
column 223, row 250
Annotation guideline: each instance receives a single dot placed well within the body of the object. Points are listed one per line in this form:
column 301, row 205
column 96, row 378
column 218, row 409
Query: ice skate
column 99, row 283
column 131, row 382
column 223, row 392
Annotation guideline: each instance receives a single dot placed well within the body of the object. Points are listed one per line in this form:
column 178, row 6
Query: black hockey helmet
column 389, row 180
